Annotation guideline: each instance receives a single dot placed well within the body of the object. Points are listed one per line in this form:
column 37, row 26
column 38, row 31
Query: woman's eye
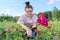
column 29, row 11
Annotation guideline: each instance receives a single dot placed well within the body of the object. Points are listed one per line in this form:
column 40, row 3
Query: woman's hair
column 28, row 5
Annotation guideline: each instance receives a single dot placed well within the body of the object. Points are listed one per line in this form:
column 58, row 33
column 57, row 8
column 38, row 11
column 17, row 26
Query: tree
column 49, row 15
column 54, row 13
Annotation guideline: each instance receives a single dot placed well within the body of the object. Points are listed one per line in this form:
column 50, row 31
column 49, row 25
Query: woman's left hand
column 33, row 26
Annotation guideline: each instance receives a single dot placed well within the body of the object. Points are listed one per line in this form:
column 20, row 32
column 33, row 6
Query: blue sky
column 16, row 7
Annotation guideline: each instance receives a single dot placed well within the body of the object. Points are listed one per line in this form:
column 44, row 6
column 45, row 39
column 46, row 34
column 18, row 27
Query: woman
column 28, row 20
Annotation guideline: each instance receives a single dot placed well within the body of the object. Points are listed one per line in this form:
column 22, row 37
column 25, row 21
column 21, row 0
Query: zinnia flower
column 48, row 27
column 6, row 31
column 12, row 26
column 41, row 15
column 42, row 20
column 37, row 31
column 16, row 29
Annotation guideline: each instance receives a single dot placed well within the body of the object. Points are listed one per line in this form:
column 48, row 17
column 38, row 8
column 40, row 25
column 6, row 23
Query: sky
column 16, row 7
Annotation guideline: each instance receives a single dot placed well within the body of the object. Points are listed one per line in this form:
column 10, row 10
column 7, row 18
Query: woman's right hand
column 29, row 32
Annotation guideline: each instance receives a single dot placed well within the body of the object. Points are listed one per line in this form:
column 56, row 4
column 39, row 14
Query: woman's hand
column 34, row 25
column 29, row 32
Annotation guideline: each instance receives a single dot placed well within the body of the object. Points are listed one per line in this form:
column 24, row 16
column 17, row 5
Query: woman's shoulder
column 34, row 15
column 22, row 16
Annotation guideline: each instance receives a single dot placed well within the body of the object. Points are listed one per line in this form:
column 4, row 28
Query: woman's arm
column 22, row 24
column 29, row 32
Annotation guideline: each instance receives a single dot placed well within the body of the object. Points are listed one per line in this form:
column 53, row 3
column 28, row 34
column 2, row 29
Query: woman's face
column 28, row 11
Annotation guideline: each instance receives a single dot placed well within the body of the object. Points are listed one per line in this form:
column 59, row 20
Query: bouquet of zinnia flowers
column 42, row 20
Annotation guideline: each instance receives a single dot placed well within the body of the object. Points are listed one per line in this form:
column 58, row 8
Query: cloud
column 52, row 1
column 57, row 0
column 10, row 12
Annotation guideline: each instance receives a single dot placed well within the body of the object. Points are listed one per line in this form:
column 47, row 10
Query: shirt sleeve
column 21, row 18
column 35, row 18
column 35, row 21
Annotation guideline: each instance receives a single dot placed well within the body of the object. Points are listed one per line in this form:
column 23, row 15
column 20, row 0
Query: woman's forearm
column 23, row 26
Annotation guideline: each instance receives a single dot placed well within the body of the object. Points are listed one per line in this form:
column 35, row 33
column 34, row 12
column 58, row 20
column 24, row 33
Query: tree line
column 51, row 15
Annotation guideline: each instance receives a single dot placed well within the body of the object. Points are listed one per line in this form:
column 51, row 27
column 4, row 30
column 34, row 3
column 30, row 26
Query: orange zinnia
column 41, row 14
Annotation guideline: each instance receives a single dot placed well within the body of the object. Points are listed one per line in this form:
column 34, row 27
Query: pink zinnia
column 42, row 21
column 6, row 31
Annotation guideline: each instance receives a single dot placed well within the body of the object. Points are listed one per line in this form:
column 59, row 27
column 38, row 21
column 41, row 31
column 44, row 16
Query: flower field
column 13, row 31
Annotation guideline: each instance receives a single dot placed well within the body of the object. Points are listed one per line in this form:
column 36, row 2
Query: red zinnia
column 48, row 27
column 16, row 29
column 37, row 31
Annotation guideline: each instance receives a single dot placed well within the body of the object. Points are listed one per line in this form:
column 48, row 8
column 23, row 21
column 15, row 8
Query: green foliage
column 55, row 13
column 8, row 18
column 45, row 34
